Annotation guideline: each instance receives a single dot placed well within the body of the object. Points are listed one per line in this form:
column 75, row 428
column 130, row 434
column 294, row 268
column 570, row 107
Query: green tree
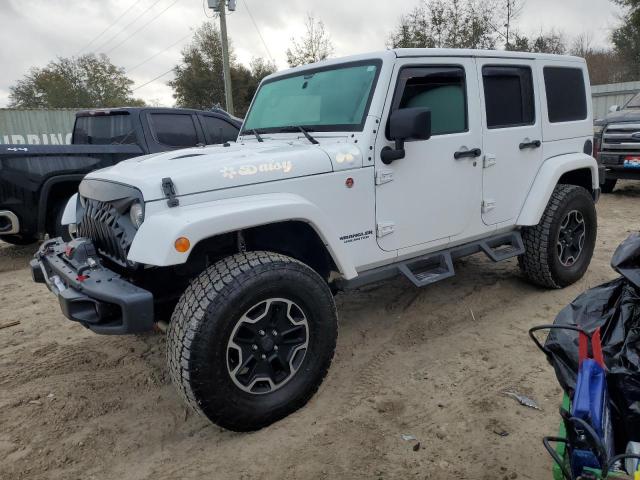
column 446, row 24
column 314, row 46
column 87, row 81
column 199, row 81
column 626, row 38
column 549, row 42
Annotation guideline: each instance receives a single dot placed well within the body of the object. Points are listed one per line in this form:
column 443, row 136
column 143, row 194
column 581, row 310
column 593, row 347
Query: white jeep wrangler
column 345, row 172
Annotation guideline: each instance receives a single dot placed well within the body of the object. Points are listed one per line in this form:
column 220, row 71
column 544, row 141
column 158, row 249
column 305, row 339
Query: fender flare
column 154, row 241
column 547, row 179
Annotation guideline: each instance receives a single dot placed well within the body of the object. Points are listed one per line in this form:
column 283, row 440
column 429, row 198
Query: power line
column 157, row 53
column 258, row 30
column 142, row 27
column 112, row 24
column 128, row 24
column 153, row 79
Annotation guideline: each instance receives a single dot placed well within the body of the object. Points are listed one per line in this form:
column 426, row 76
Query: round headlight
column 136, row 214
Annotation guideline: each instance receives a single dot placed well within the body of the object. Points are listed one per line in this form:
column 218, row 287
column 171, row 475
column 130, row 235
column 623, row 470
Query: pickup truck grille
column 101, row 223
column 621, row 139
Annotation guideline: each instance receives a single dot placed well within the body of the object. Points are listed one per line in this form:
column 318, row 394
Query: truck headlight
column 136, row 214
column 597, row 129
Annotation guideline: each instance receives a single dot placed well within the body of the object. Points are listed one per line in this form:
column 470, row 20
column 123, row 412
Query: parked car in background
column 617, row 144
column 37, row 180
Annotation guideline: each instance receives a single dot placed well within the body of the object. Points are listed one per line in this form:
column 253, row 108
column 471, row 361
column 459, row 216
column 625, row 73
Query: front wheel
column 559, row 249
column 251, row 339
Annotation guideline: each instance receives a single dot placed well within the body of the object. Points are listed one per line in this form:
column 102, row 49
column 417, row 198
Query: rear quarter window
column 566, row 95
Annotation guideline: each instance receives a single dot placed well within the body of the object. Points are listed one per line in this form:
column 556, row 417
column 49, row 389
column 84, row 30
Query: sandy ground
column 429, row 362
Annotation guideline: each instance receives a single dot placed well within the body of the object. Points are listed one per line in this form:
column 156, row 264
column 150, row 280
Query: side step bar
column 433, row 267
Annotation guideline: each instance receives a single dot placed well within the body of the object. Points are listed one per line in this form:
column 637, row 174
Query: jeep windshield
column 334, row 98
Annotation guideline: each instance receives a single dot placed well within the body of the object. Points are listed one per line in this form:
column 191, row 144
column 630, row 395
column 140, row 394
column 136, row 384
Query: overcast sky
column 32, row 32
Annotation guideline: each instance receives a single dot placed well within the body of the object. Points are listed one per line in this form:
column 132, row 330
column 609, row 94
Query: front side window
column 218, row 130
column 508, row 96
column 327, row 99
column 441, row 89
column 566, row 96
column 176, row 130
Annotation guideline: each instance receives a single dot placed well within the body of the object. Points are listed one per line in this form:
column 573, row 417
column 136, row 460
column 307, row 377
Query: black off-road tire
column 55, row 228
column 540, row 263
column 204, row 321
column 608, row 185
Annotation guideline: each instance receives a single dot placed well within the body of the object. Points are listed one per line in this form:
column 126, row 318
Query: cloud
column 33, row 32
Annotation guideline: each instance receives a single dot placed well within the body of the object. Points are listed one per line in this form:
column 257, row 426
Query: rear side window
column 176, row 130
column 508, row 96
column 566, row 96
column 114, row 129
column 442, row 89
column 218, row 130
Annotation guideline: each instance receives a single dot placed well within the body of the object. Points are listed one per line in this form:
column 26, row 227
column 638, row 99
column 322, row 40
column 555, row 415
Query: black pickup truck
column 617, row 144
column 37, row 180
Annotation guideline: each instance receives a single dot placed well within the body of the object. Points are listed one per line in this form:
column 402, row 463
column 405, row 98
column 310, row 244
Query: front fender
column 547, row 179
column 154, row 241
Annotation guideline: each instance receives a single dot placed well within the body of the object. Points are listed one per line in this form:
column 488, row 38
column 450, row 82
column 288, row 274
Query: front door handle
column 473, row 153
column 531, row 144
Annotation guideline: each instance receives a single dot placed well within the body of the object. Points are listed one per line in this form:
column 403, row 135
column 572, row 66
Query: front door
column 434, row 192
column 512, row 136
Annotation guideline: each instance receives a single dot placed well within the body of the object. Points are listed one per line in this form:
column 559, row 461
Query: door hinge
column 488, row 161
column 383, row 176
column 488, row 205
column 384, row 228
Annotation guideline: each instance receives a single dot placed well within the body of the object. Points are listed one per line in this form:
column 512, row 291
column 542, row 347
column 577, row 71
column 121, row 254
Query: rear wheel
column 251, row 339
column 608, row 185
column 559, row 249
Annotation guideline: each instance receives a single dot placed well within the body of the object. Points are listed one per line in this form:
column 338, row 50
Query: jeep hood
column 216, row 167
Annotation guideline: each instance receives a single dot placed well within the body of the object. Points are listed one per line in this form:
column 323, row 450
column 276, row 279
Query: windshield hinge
column 169, row 190
column 383, row 176
column 384, row 228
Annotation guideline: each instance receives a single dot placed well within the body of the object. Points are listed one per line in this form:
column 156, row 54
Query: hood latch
column 169, row 190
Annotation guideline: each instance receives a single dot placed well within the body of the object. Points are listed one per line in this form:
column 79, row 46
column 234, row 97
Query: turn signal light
column 182, row 244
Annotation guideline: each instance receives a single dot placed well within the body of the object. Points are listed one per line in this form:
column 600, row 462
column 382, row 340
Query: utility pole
column 219, row 6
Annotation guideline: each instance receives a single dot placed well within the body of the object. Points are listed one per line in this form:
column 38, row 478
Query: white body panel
column 433, row 201
column 69, row 214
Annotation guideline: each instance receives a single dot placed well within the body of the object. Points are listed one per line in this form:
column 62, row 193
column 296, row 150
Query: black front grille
column 103, row 224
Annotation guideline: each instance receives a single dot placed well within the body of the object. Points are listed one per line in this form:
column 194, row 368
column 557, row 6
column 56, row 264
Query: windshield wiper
column 255, row 132
column 293, row 128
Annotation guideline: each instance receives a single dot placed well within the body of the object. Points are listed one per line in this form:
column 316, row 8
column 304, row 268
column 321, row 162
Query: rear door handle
column 473, row 153
column 531, row 144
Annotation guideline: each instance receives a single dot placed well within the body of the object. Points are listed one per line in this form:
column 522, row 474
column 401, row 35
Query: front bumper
column 90, row 293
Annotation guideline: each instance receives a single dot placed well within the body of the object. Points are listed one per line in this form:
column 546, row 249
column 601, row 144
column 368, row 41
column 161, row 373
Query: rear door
column 172, row 130
column 512, row 136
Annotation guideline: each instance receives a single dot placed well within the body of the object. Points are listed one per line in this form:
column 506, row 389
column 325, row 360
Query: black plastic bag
column 615, row 308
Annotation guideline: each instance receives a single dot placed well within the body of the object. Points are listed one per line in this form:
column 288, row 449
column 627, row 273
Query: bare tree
column 442, row 23
column 314, row 46
column 511, row 11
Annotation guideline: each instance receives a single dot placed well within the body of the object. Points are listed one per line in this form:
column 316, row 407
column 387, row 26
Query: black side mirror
column 406, row 124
